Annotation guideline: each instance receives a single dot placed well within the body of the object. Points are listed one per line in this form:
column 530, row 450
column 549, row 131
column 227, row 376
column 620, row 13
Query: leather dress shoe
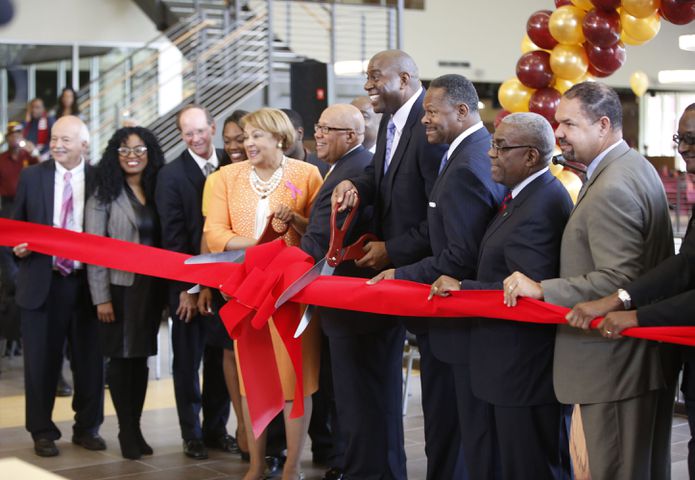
column 195, row 449
column 89, row 441
column 63, row 389
column 274, row 465
column 334, row 474
column 225, row 443
column 45, row 447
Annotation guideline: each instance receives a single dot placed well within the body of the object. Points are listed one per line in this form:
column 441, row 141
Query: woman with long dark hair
column 128, row 305
column 67, row 103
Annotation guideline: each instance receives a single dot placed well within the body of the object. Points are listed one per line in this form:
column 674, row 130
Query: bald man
column 53, row 296
column 371, row 121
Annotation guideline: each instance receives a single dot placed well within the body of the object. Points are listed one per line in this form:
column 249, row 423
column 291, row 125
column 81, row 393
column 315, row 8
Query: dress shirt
column 462, row 136
column 202, row 161
column 517, row 190
column 399, row 119
column 591, row 168
column 78, row 191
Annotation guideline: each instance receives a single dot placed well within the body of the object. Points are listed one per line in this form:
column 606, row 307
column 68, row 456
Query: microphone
column 560, row 160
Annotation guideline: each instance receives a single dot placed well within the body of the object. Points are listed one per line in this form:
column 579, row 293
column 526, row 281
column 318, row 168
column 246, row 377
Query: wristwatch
column 625, row 298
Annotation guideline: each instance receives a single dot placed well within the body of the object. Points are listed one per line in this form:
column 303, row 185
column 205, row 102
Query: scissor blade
column 304, row 322
column 321, row 268
column 232, row 256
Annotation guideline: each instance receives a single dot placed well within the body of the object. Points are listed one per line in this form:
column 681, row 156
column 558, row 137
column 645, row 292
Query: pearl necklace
column 264, row 188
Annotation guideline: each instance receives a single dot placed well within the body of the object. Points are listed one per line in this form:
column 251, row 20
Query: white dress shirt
column 77, row 181
column 399, row 118
column 462, row 136
column 517, row 190
column 202, row 161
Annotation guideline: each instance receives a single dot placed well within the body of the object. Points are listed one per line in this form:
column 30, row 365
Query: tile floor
column 161, row 430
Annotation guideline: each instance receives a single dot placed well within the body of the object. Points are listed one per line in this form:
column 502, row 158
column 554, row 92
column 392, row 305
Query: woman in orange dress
column 244, row 196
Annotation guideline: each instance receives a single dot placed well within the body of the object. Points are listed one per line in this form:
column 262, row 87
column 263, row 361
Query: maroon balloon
column 544, row 102
column 595, row 72
column 533, row 69
column 607, row 60
column 562, row 3
column 678, row 12
column 602, row 27
column 606, row 4
column 499, row 117
column 538, row 31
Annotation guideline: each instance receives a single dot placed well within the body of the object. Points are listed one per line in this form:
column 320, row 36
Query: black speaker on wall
column 309, row 92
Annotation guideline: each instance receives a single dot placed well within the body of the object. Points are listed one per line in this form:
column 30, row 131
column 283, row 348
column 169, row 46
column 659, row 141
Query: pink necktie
column 65, row 265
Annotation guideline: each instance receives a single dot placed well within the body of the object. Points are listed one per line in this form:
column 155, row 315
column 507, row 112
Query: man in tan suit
column 619, row 228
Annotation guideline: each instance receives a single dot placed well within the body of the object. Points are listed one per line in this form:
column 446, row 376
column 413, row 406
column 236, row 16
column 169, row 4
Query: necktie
column 208, row 168
column 65, row 265
column 445, row 159
column 505, row 201
column 390, row 133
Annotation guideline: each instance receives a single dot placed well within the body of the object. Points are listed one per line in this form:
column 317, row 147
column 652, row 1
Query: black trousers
column 67, row 315
column 324, row 431
column 367, row 381
column 190, row 348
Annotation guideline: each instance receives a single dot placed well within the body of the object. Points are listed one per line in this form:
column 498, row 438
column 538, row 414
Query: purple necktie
column 65, row 265
column 442, row 164
column 390, row 131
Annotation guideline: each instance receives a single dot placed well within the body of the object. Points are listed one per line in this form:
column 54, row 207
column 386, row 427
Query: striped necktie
column 67, row 220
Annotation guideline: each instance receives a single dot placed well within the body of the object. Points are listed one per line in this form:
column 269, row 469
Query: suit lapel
column 48, row 187
column 380, row 152
column 123, row 203
column 192, row 171
column 477, row 136
column 617, row 152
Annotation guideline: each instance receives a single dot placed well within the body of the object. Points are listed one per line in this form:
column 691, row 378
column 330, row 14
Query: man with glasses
column 178, row 197
column 619, row 228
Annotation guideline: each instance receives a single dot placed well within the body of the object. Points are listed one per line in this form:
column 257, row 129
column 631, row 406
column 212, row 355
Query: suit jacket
column 178, row 197
column 512, row 362
column 619, row 228
column 34, row 203
column 315, row 242
column 400, row 196
column 115, row 220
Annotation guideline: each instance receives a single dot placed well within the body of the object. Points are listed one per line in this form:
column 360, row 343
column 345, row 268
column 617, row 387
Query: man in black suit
column 510, row 372
column 53, row 296
column 664, row 295
column 463, row 200
column 178, row 198
column 397, row 184
column 364, row 429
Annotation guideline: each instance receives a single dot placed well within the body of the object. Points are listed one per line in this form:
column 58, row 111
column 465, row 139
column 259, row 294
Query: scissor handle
column 355, row 251
column 269, row 233
column 334, row 256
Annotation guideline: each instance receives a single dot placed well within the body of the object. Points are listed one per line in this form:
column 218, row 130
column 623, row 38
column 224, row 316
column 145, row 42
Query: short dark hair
column 295, row 118
column 235, row 117
column 208, row 115
column 690, row 108
column 458, row 90
column 598, row 100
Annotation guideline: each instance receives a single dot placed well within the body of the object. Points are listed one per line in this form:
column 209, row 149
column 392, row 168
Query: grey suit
column 115, row 220
column 619, row 228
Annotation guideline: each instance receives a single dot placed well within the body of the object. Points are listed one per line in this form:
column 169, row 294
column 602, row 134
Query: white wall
column 488, row 33
column 86, row 21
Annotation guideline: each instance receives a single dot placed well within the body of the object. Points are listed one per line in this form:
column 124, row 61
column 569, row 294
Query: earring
column 280, row 145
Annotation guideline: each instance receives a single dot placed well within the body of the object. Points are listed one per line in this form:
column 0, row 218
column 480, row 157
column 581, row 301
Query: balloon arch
column 582, row 40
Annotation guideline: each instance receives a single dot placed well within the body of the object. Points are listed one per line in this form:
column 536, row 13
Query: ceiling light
column 677, row 76
column 687, row 42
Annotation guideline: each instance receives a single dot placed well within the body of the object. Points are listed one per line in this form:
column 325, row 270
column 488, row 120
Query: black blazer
column 315, row 242
column 178, row 197
column 34, row 203
column 400, row 196
column 512, row 362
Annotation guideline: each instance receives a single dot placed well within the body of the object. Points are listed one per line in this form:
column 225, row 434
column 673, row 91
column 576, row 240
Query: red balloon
column 677, row 12
column 595, row 72
column 607, row 60
column 606, row 4
column 500, row 116
column 544, row 102
column 533, row 69
column 602, row 27
column 538, row 31
column 562, row 3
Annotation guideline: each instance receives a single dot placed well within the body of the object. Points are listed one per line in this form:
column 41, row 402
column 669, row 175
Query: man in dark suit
column 178, row 198
column 397, row 183
column 664, row 295
column 53, row 296
column 511, row 363
column 297, row 150
column 462, row 202
column 364, row 429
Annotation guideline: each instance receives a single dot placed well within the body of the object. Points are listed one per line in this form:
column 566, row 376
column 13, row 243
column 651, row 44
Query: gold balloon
column 527, row 45
column 571, row 182
column 640, row 29
column 514, row 95
column 628, row 40
column 640, row 8
column 566, row 25
column 569, row 61
column 639, row 82
column 585, row 5
column 562, row 84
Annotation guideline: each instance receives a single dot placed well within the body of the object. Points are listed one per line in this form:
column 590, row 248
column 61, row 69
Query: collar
column 202, row 161
column 341, row 158
column 60, row 170
column 595, row 162
column 517, row 190
column 401, row 115
column 462, row 136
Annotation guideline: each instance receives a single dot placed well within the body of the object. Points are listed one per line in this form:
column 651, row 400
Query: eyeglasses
column 687, row 138
column 325, row 130
column 139, row 151
column 497, row 148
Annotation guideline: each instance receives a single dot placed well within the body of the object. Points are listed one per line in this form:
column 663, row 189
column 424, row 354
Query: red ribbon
column 268, row 270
